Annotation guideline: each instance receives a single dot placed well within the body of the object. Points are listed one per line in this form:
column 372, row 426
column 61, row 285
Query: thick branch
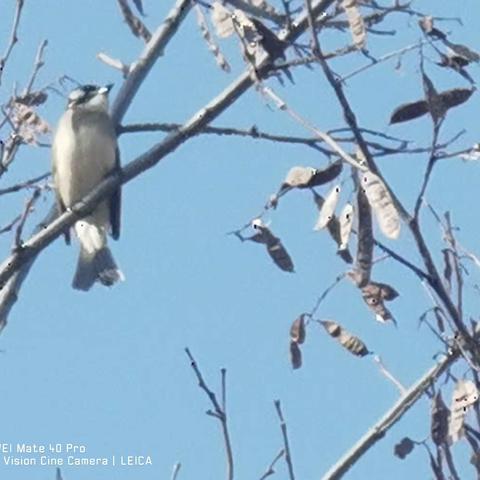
column 393, row 415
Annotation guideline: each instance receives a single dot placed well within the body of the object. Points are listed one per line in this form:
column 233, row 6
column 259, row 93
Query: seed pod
column 328, row 209
column 297, row 330
column 352, row 343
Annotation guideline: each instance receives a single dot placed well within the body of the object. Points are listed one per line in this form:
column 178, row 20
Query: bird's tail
column 99, row 265
column 95, row 261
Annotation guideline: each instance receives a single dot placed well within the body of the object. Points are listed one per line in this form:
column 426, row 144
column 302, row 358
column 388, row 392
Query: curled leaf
column 403, row 448
column 374, row 300
column 328, row 209
column 295, row 355
column 352, row 343
column 346, row 222
column 334, row 229
column 297, row 330
column 382, row 204
column 439, row 420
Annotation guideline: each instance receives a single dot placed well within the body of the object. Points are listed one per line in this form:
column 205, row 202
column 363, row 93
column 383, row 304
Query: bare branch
column 270, row 470
column 13, row 37
column 283, row 426
column 392, row 416
column 218, row 411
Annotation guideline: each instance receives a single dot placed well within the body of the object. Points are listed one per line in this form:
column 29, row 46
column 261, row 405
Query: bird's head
column 89, row 97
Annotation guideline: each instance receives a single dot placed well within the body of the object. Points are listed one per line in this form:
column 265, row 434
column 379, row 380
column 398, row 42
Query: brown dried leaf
column 355, row 20
column 382, row 204
column 456, row 96
column 363, row 263
column 297, row 330
column 403, row 448
column 464, row 52
column 327, row 211
column 32, row 99
column 381, row 291
column 352, row 343
column 269, row 41
column 210, row 41
column 275, row 248
column 464, row 395
column 439, row 420
column 436, row 106
column 448, row 268
column 409, row 111
column 374, row 301
column 426, row 24
column 295, row 355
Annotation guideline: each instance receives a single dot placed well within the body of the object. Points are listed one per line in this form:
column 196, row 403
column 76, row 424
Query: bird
column 84, row 152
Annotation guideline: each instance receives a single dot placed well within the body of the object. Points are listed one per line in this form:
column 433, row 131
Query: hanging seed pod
column 382, row 204
column 352, row 343
column 297, row 330
column 363, row 263
column 295, row 355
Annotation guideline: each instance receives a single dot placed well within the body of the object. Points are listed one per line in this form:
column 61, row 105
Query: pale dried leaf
column 355, row 21
column 352, row 343
column 426, row 24
column 297, row 330
column 222, row 20
column 210, row 41
column 439, row 420
column 328, row 209
column 382, row 204
column 333, row 228
column 298, row 177
column 464, row 395
column 346, row 222
column 295, row 355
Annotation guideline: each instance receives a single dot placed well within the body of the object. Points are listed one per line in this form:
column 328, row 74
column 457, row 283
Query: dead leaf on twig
column 297, row 330
column 295, row 355
column 356, row 23
column 352, row 343
column 403, row 448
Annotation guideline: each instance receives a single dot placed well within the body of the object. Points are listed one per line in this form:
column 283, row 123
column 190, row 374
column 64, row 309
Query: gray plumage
column 84, row 152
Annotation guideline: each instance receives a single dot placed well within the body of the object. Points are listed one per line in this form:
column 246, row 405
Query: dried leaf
column 464, row 52
column 381, row 202
column 297, row 330
column 352, row 343
column 426, row 24
column 439, row 420
column 275, row 248
column 210, row 41
column 295, row 355
column 456, row 96
column 328, row 209
column 333, row 228
column 32, row 99
column 346, row 222
column 28, row 124
column 363, row 263
column 436, row 107
column 308, row 177
column 464, row 395
column 372, row 297
column 403, row 448
column 222, row 20
column 381, row 291
column 409, row 111
column 355, row 21
column 448, row 268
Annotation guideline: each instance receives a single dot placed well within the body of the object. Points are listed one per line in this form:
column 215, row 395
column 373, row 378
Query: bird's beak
column 106, row 89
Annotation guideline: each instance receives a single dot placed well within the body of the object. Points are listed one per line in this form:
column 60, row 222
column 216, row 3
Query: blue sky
column 108, row 370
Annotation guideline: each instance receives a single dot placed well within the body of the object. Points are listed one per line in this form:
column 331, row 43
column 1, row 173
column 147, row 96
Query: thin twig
column 283, row 426
column 383, row 370
column 218, row 412
column 23, row 185
column 13, row 37
column 23, row 218
column 270, row 470
column 176, row 469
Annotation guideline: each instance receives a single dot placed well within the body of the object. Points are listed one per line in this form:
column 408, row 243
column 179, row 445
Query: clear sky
column 107, row 369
